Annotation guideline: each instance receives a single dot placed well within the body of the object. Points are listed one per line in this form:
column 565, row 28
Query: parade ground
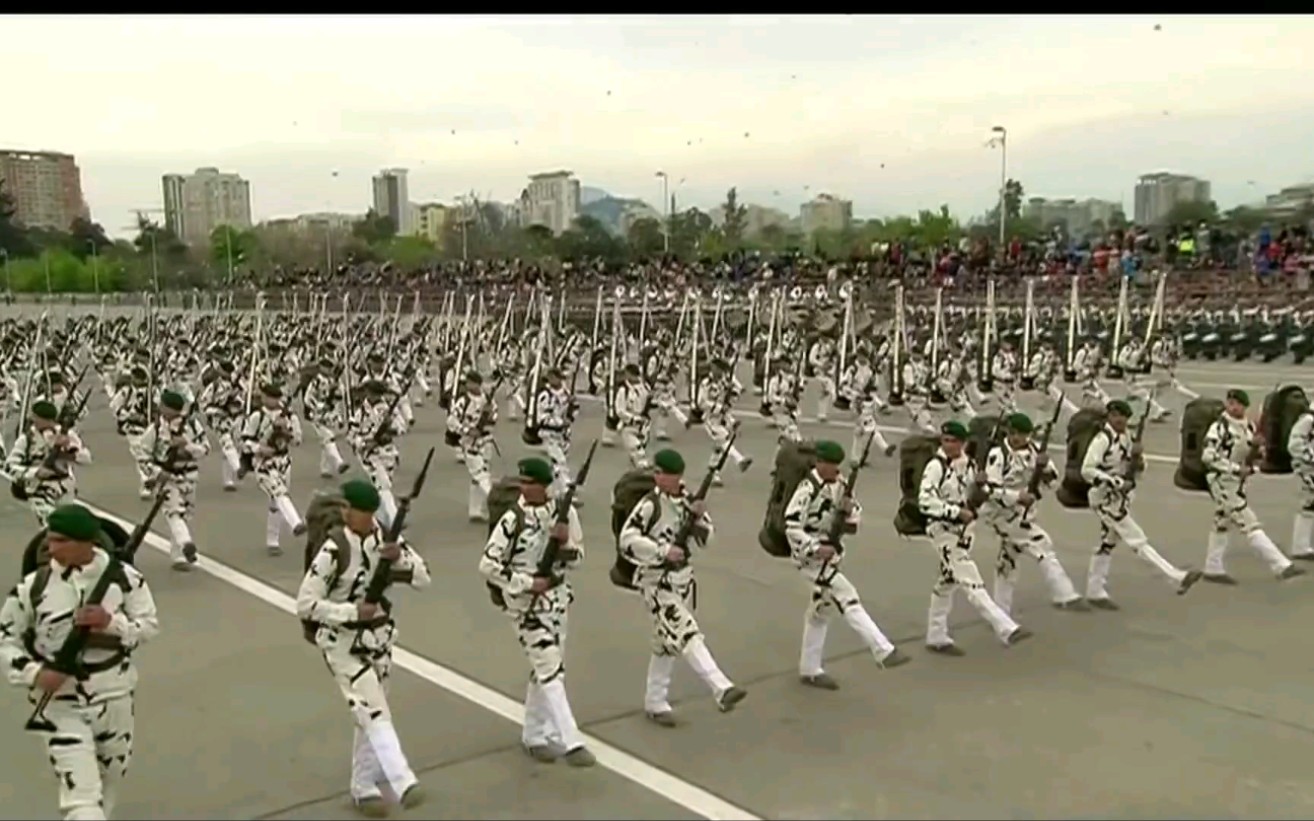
column 1187, row 707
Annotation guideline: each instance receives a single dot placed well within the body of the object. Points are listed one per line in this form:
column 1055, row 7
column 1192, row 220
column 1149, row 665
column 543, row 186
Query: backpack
column 631, row 488
column 1281, row 410
column 915, row 453
column 504, row 495
column 983, row 432
column 324, row 522
column 112, row 539
column 1073, row 491
column 794, row 461
column 1198, row 415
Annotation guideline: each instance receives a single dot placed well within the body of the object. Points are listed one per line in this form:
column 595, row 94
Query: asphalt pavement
column 1190, row 707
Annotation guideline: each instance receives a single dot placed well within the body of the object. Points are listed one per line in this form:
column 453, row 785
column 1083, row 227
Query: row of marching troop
column 238, row 378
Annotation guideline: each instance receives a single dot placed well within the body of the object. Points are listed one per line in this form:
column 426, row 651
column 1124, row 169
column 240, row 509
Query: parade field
column 1185, row 707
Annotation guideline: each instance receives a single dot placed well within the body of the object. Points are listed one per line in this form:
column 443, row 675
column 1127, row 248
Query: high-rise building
column 1157, row 195
column 46, row 187
column 825, row 211
column 1079, row 217
column 392, row 200
column 551, row 200
column 196, row 204
column 431, row 219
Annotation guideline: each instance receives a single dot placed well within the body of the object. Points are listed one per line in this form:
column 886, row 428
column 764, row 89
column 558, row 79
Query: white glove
column 1117, row 483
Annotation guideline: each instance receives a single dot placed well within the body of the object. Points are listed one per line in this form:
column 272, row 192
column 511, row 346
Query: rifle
column 1138, row 458
column 690, row 522
column 67, row 658
column 66, row 419
column 980, row 494
column 1038, row 472
column 552, row 552
column 839, row 518
column 383, row 575
column 385, row 421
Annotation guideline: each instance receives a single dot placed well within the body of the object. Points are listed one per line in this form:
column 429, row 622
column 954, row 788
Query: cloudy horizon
column 890, row 112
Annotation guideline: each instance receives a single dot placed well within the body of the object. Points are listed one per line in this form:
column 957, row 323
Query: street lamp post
column 1003, row 180
column 228, row 252
column 666, row 212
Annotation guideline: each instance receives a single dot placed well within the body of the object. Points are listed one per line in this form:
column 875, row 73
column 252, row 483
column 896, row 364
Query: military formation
column 987, row 390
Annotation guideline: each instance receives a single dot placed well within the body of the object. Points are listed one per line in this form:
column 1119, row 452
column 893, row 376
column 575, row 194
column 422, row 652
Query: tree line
column 84, row 259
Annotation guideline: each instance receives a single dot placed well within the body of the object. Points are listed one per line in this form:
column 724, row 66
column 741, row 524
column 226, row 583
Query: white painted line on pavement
column 690, row 796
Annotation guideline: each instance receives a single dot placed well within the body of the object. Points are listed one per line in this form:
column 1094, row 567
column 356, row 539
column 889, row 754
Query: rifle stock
column 382, row 576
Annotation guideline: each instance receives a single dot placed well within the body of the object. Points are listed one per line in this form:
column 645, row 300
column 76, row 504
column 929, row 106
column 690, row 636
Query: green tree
column 13, row 239
column 689, row 229
column 736, row 219
column 374, row 228
column 85, row 235
column 645, row 237
column 408, row 252
column 589, row 238
column 235, row 246
column 1013, row 194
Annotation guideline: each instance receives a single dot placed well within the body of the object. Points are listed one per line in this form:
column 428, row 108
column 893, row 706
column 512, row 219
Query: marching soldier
column 42, row 460
column 943, row 498
column 356, row 639
column 1009, row 511
column 633, row 406
column 92, row 707
column 323, row 403
column 131, row 406
column 858, row 384
column 808, row 520
column 174, row 444
column 1003, row 371
column 1230, row 454
column 1108, row 469
column 376, row 368
column 268, row 435
column 782, row 399
column 1087, row 365
column 538, row 607
column 221, row 401
column 470, row 421
column 665, row 579
column 716, row 398
column 377, row 424
column 821, row 357
column 553, row 423
column 916, row 390
column 1300, row 444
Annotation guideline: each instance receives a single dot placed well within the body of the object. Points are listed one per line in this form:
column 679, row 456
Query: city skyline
column 890, row 113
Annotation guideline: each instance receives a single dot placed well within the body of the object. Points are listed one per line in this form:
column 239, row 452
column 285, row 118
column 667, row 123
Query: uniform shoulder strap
column 340, row 551
column 40, row 578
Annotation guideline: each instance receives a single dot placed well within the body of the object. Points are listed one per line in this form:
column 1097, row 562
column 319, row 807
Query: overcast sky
column 891, row 112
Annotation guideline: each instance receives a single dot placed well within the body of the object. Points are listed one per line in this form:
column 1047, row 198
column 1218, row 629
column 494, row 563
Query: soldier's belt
column 368, row 624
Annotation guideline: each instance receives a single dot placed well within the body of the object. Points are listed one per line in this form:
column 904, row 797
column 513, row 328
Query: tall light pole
column 1002, row 141
column 228, row 252
column 666, row 211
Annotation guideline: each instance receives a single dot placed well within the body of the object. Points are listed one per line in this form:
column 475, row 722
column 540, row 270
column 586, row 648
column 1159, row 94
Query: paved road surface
column 1186, row 707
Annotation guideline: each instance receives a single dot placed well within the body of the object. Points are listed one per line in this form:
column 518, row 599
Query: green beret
column 475, row 377
column 954, row 429
column 360, row 494
column 1240, row 396
column 45, row 410
column 272, row 391
column 830, row 452
column 375, row 386
column 172, row 400
column 536, row 470
column 669, row 461
column 1120, row 407
column 74, row 522
column 1020, row 423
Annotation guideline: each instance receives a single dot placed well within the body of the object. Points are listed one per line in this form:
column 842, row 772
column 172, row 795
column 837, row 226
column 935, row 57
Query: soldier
column 821, row 357
column 131, row 406
column 92, row 707
column 916, row 390
column 943, row 498
column 553, row 423
column 858, row 383
column 716, row 398
column 174, row 445
column 470, row 420
column 42, row 460
column 1107, row 467
column 356, row 639
column 782, row 399
column 808, row 521
column 951, row 381
column 268, row 434
column 376, row 368
column 1003, row 372
column 375, row 428
column 323, row 402
column 1009, row 511
column 222, row 402
column 1300, row 444
column 1132, row 361
column 1230, row 454
column 538, row 607
column 665, row 579
column 1087, row 365
column 633, row 405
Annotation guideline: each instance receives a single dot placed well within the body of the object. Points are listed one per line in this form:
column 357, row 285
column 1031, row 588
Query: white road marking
column 690, row 796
